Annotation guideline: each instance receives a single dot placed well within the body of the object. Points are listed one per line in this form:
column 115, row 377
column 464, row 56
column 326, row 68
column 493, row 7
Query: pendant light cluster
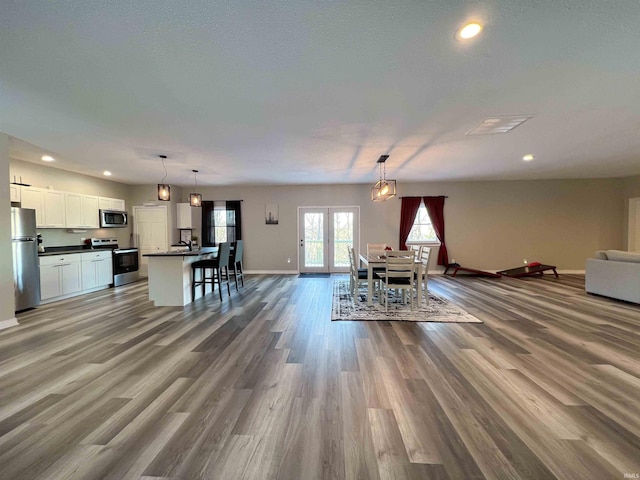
column 164, row 189
column 383, row 189
column 195, row 199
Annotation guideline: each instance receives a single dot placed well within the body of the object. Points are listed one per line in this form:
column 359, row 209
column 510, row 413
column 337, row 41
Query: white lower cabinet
column 60, row 275
column 50, row 286
column 97, row 269
column 69, row 274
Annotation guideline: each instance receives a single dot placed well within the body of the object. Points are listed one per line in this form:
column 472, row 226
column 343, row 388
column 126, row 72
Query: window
column 220, row 222
column 422, row 230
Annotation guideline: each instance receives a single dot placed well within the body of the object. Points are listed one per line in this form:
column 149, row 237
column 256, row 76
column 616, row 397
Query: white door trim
column 136, row 234
column 328, row 211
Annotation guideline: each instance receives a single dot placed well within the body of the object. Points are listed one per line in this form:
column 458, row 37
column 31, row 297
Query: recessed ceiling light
column 470, row 30
column 528, row 157
column 47, row 158
column 106, row 173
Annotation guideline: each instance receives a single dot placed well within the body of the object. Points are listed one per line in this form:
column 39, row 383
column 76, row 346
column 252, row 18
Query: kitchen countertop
column 65, row 252
column 202, row 251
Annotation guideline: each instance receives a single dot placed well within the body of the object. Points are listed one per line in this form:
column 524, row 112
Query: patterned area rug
column 438, row 310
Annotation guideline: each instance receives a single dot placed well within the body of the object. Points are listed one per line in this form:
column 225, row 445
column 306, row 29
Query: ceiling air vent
column 503, row 124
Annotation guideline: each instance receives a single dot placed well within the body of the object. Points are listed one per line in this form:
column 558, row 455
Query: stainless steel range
column 125, row 260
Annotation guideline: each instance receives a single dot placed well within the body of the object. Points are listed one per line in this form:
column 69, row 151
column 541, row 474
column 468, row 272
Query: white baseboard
column 549, row 272
column 431, row 272
column 11, row 322
column 271, row 272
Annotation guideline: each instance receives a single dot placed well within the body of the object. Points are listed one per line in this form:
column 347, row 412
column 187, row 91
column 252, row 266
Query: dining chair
column 373, row 248
column 398, row 275
column 216, row 265
column 417, row 249
column 424, row 260
column 377, row 249
column 235, row 260
column 357, row 276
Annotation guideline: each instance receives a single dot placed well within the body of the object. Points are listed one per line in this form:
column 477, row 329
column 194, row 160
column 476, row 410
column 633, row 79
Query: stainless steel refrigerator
column 26, row 270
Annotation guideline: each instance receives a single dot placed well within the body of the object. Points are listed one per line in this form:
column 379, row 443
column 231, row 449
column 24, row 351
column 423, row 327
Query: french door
column 324, row 234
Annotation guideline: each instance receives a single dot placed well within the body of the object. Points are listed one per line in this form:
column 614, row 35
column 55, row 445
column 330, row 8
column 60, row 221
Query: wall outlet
column 288, row 260
column 453, row 260
column 525, row 261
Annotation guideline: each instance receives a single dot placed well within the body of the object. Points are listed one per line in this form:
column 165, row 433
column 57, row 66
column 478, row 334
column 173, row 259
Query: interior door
column 324, row 235
column 150, row 232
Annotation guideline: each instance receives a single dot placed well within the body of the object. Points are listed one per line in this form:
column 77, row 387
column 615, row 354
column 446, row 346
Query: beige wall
column 7, row 302
column 141, row 194
column 489, row 225
column 44, row 176
column 631, row 190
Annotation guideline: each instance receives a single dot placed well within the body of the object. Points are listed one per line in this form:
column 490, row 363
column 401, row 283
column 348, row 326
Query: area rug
column 438, row 309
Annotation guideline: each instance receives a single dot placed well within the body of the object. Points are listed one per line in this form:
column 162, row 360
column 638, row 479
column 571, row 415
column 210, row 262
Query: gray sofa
column 615, row 274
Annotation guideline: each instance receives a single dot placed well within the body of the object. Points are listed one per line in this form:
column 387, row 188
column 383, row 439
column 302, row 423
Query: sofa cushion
column 601, row 255
column 621, row 256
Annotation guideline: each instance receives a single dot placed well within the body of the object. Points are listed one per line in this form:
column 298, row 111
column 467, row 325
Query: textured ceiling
column 304, row 91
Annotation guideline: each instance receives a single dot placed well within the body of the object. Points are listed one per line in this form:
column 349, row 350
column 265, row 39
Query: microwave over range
column 113, row 218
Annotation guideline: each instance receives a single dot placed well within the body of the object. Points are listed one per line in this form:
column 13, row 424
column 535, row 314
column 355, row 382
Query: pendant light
column 164, row 189
column 195, row 199
column 383, row 189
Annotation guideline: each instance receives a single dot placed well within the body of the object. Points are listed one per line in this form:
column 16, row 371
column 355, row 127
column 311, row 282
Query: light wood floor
column 264, row 386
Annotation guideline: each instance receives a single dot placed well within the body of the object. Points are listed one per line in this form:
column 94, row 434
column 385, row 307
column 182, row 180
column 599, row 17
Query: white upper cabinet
column 90, row 215
column 81, row 210
column 57, row 209
column 111, row 203
column 14, row 191
column 33, row 197
column 186, row 216
column 104, row 203
column 118, row 204
column 54, row 213
column 48, row 204
column 73, row 209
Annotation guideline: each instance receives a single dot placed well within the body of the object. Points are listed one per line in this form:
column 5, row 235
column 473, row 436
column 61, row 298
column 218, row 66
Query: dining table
column 375, row 260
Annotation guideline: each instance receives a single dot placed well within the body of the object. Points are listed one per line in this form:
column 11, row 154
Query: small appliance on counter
column 26, row 269
column 125, row 260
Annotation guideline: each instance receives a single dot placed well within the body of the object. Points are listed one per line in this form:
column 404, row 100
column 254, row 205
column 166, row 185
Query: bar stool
column 215, row 265
column 236, row 261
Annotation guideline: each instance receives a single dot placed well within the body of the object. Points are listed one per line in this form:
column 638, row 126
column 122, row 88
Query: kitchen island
column 170, row 276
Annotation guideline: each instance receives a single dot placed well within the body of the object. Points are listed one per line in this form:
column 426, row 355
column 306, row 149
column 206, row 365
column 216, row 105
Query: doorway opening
column 324, row 233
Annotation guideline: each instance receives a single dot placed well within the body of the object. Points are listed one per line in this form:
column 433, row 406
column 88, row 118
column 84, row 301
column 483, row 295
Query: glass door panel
column 314, row 240
column 342, row 238
column 325, row 234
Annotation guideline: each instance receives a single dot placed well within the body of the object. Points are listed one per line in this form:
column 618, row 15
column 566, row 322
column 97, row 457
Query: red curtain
column 408, row 212
column 435, row 209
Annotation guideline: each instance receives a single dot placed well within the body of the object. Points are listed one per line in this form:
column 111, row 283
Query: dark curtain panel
column 408, row 212
column 233, row 221
column 435, row 208
column 208, row 236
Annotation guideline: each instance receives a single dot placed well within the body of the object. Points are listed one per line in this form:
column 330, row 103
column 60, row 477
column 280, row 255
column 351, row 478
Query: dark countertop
column 202, row 251
column 63, row 250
